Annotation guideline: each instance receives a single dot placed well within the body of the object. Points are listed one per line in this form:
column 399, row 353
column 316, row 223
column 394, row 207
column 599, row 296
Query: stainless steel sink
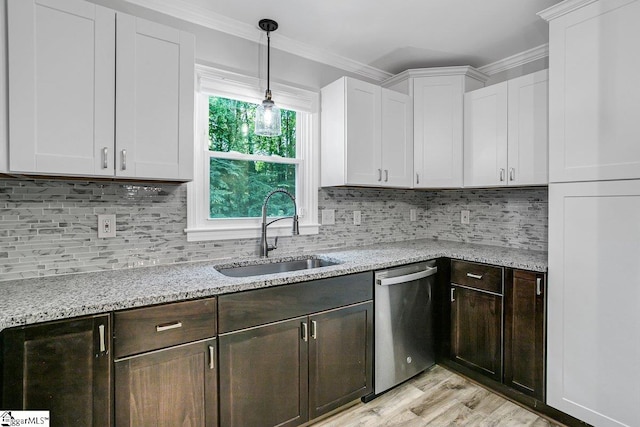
column 275, row 267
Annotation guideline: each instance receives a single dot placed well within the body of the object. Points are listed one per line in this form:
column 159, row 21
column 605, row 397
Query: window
column 235, row 169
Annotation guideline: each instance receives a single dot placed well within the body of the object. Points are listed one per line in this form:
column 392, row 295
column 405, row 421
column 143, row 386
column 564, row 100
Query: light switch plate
column 464, row 217
column 357, row 217
column 413, row 215
column 328, row 216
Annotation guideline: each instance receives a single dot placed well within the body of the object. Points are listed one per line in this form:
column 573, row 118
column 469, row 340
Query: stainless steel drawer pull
column 212, row 357
column 512, row 174
column 105, row 159
column 538, row 286
column 501, row 175
column 474, row 276
column 386, row 175
column 314, row 329
column 379, row 174
column 103, row 344
column 168, row 326
column 417, row 179
column 124, row 160
column 305, row 332
column 453, row 297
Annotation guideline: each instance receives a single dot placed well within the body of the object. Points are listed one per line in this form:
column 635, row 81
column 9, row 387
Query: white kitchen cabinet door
column 593, row 298
column 485, row 136
column 438, row 124
column 61, row 84
column 397, row 139
column 528, row 129
column 363, row 133
column 154, row 100
column 594, row 93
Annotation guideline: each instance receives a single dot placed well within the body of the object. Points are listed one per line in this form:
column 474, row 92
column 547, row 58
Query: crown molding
column 437, row 71
column 563, row 8
column 516, row 60
column 207, row 18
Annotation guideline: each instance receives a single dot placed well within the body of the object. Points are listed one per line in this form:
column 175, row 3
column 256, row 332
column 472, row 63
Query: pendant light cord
column 268, row 62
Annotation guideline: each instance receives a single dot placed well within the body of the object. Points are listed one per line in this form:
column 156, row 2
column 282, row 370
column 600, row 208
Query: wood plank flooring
column 437, row 397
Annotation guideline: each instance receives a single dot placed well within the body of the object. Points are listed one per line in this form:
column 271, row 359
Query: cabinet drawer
column 257, row 307
column 151, row 328
column 479, row 276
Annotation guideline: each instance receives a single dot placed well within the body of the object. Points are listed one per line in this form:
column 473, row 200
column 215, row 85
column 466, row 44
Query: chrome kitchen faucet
column 265, row 247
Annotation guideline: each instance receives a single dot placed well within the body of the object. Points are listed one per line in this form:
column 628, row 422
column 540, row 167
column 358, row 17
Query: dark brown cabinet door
column 524, row 332
column 340, row 357
column 476, row 330
column 171, row 387
column 63, row 367
column 264, row 375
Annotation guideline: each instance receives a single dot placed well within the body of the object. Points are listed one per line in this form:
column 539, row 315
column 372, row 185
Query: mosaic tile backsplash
column 50, row 227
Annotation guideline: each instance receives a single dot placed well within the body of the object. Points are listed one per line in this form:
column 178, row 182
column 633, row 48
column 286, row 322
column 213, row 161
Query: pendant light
column 267, row 113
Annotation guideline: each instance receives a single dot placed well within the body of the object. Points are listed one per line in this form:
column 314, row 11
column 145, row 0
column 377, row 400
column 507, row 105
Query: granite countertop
column 28, row 301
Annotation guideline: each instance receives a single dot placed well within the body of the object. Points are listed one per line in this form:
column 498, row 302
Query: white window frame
column 214, row 82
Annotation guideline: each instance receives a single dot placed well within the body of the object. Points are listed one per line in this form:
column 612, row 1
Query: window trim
column 216, row 82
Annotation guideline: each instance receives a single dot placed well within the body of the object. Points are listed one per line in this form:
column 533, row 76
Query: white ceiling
column 382, row 37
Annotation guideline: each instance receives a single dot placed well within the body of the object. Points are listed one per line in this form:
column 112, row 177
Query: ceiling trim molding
column 209, row 19
column 516, row 60
column 438, row 71
column 563, row 8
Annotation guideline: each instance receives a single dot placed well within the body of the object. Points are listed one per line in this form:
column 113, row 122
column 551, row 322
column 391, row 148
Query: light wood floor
column 437, row 397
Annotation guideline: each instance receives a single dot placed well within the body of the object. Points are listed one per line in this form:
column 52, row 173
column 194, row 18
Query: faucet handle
column 274, row 246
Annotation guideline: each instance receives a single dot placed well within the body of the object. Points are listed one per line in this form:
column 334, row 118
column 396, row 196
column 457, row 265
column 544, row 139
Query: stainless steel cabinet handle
column 417, row 178
column 501, row 175
column 453, row 298
column 474, row 276
column 386, row 175
column 538, row 286
column 212, row 357
column 124, row 159
column 512, row 174
column 305, row 332
column 387, row 281
column 379, row 174
column 103, row 344
column 314, row 329
column 168, row 326
column 105, row 159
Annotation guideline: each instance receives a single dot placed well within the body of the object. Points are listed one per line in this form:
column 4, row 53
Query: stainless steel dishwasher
column 403, row 323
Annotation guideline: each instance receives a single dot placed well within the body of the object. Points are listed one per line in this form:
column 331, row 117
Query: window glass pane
column 238, row 188
column 231, row 128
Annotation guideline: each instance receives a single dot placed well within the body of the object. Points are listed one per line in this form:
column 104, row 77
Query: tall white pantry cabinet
column 593, row 369
column 95, row 92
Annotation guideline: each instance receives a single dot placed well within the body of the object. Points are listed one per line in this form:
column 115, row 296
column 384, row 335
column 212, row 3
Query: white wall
column 4, row 101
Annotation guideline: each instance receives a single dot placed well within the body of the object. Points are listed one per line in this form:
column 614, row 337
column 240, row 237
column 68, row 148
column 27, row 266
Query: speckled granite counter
column 29, row 301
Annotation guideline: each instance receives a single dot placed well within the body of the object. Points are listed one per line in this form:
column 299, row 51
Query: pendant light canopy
column 268, row 114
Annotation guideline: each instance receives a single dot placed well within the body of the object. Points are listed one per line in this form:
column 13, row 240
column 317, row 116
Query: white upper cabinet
column 594, row 59
column 366, row 135
column 61, row 86
column 505, row 133
column 80, row 107
column 154, row 100
column 438, row 95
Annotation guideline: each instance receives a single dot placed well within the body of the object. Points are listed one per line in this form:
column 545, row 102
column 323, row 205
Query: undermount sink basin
column 275, row 267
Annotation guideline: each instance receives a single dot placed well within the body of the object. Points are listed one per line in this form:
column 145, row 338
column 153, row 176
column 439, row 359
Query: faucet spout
column 265, row 247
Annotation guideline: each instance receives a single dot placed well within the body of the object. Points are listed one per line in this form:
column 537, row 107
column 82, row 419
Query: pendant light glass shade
column 268, row 118
column 268, row 114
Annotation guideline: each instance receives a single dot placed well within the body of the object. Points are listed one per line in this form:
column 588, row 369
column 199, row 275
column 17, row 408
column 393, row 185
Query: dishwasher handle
column 388, row 281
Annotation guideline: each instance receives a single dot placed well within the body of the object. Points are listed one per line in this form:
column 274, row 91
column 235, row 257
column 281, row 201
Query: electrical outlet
column 464, row 217
column 413, row 215
column 106, row 226
column 328, row 216
column 357, row 217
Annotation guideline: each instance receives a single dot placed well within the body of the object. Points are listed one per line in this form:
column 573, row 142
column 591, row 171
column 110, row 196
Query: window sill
column 245, row 232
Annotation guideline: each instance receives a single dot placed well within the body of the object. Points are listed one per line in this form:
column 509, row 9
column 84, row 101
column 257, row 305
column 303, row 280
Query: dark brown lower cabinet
column 176, row 386
column 286, row 373
column 524, row 339
column 476, row 330
column 63, row 367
